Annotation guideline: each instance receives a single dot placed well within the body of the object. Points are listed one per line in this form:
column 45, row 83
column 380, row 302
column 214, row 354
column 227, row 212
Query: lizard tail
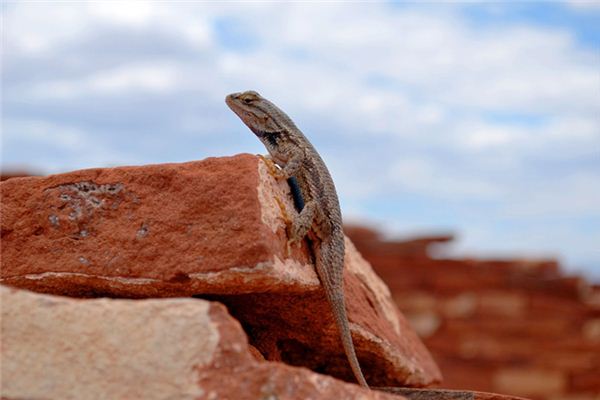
column 333, row 284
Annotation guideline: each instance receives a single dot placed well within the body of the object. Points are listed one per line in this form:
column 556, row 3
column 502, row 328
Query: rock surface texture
column 212, row 229
column 72, row 349
column 510, row 326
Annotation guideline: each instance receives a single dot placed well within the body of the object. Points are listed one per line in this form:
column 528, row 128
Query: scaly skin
column 320, row 217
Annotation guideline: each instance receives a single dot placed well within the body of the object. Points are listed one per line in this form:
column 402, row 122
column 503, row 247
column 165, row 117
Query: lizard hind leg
column 297, row 227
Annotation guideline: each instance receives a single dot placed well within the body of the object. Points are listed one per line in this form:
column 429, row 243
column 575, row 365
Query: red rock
column 573, row 360
column 497, row 325
column 444, row 394
column 463, row 305
column 136, row 231
column 362, row 234
column 592, row 296
column 571, row 287
column 591, row 330
column 412, row 248
column 538, row 268
column 417, row 301
column 463, row 374
column 530, row 381
column 503, row 303
column 5, row 175
column 211, row 228
column 61, row 348
column 550, row 327
column 585, row 381
column 546, row 303
column 425, row 324
column 577, row 396
column 452, row 276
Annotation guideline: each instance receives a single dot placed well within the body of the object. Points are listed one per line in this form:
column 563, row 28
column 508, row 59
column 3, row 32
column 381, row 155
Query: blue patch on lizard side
column 296, row 193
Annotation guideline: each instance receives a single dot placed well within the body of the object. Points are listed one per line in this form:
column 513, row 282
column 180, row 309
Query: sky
column 481, row 119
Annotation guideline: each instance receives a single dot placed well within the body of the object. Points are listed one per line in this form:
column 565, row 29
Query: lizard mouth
column 232, row 103
column 230, row 99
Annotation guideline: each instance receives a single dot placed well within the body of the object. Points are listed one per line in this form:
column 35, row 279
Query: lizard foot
column 273, row 170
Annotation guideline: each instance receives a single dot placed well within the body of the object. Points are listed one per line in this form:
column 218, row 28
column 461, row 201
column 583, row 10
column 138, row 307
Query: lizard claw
column 273, row 170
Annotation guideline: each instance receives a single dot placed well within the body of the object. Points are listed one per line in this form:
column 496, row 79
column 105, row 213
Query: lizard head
column 259, row 114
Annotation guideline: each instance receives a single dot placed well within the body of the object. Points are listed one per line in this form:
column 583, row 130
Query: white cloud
column 146, row 77
column 576, row 195
column 153, row 78
column 423, row 176
column 584, row 5
column 84, row 149
column 63, row 137
column 477, row 135
column 39, row 27
column 129, row 13
column 507, row 68
column 582, row 129
column 33, row 29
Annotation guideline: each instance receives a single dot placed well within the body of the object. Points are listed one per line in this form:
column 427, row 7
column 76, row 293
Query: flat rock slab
column 63, row 348
column 215, row 229
column 152, row 231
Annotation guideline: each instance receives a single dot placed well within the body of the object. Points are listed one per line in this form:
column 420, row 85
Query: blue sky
column 476, row 118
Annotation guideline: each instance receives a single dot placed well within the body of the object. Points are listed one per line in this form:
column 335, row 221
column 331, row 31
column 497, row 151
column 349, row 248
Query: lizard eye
column 247, row 100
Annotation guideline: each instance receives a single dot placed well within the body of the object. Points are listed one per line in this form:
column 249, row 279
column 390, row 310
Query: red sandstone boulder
column 5, row 175
column 60, row 348
column 211, row 228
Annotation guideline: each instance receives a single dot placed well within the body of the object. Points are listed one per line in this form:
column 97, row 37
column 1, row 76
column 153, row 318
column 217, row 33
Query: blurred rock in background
column 519, row 327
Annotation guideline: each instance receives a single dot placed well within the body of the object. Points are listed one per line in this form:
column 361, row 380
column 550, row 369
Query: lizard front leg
column 298, row 227
column 290, row 168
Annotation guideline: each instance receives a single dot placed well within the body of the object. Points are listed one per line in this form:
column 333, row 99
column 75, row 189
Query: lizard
column 315, row 196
